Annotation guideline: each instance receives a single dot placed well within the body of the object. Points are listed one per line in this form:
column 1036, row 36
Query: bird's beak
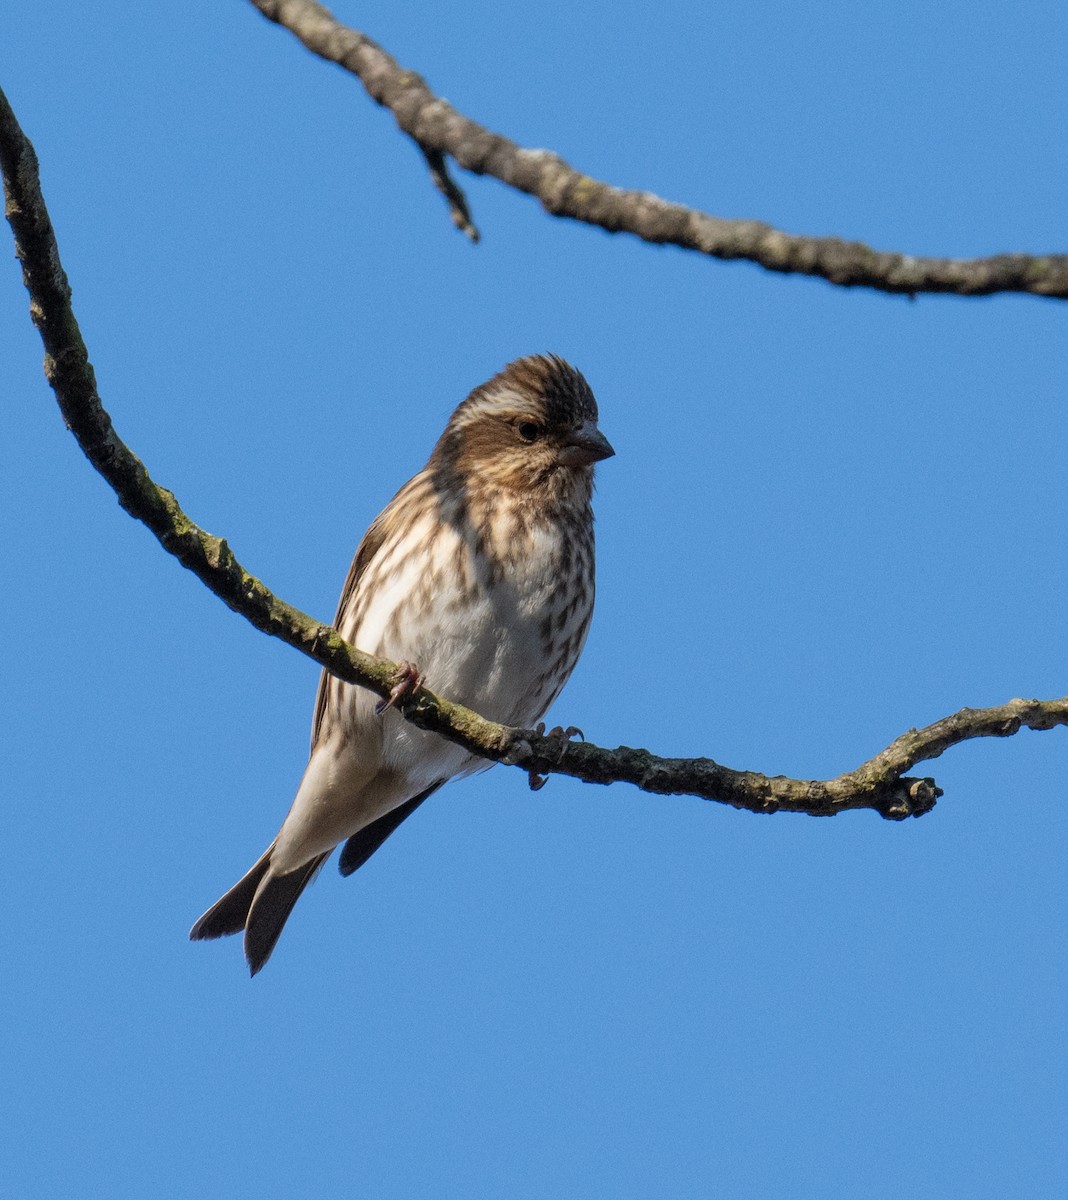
column 585, row 445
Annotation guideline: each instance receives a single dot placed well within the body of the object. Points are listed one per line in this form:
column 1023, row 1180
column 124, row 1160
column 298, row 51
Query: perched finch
column 480, row 571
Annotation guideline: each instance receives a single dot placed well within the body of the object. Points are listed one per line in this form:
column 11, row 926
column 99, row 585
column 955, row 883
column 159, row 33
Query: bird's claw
column 561, row 737
column 409, row 679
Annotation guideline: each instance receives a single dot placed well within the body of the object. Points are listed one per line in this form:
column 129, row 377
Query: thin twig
column 436, row 126
column 454, row 197
column 879, row 784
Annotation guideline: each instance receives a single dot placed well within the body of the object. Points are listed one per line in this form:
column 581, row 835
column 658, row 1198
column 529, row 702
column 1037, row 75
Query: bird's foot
column 409, row 679
column 561, row 737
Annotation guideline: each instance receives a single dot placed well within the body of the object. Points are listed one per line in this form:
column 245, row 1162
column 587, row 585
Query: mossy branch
column 439, row 130
column 879, row 784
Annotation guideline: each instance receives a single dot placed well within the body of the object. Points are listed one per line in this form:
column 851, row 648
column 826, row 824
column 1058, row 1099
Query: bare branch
column 454, row 198
column 437, row 128
column 879, row 784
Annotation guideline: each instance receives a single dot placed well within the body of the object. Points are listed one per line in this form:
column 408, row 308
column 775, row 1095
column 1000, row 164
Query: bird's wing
column 365, row 552
column 359, row 848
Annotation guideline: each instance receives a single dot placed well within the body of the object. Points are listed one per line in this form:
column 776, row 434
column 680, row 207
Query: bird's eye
column 528, row 431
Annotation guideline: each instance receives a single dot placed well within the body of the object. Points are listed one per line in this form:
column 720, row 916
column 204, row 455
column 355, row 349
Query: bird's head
column 531, row 429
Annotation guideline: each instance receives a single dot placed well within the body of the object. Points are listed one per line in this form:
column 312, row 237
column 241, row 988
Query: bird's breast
column 495, row 618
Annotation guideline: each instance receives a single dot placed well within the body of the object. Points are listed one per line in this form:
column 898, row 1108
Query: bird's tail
column 260, row 904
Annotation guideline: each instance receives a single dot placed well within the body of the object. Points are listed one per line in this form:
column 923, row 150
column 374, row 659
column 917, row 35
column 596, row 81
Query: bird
column 478, row 578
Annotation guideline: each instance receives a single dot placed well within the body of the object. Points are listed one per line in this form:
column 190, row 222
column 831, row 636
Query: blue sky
column 833, row 515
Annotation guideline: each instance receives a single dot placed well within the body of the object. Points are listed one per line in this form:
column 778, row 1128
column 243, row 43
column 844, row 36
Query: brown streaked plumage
column 481, row 571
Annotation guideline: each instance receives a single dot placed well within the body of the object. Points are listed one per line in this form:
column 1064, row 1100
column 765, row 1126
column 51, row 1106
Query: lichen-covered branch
column 438, row 129
column 879, row 784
